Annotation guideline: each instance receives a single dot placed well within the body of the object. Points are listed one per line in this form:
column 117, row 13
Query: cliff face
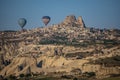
column 63, row 47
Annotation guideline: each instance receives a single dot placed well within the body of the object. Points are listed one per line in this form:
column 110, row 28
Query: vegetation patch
column 108, row 62
column 112, row 78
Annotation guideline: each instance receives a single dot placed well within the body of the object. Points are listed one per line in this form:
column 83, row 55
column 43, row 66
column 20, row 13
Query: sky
column 95, row 13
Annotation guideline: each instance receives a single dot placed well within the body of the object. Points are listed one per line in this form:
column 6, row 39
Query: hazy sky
column 95, row 13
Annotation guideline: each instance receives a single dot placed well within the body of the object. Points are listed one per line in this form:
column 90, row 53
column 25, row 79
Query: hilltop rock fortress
column 69, row 48
column 72, row 21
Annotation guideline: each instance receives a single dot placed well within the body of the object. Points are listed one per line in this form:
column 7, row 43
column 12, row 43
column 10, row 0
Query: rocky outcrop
column 72, row 21
column 80, row 22
column 52, row 58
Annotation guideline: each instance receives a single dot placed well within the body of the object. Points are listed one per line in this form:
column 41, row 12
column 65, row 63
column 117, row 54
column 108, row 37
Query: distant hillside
column 67, row 50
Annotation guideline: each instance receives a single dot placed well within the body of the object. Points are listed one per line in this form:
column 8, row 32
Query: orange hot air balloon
column 46, row 20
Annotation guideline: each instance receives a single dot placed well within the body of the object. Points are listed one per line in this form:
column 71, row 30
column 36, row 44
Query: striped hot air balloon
column 46, row 20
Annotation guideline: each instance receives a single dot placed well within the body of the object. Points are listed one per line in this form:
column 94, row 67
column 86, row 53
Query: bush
column 75, row 78
column 28, row 75
column 11, row 77
column 109, row 62
column 22, row 75
column 67, row 76
column 90, row 74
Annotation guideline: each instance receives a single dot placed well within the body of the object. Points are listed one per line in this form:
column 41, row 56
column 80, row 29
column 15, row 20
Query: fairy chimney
column 80, row 22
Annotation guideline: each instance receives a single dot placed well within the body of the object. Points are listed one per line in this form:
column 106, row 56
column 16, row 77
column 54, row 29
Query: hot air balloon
column 22, row 22
column 46, row 20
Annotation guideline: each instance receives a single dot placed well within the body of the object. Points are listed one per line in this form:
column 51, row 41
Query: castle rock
column 72, row 21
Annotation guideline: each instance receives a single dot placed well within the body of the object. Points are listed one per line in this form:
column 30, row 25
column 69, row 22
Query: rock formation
column 80, row 22
column 72, row 21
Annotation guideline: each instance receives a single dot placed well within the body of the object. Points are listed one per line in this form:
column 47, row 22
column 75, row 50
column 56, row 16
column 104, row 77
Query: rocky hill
column 69, row 48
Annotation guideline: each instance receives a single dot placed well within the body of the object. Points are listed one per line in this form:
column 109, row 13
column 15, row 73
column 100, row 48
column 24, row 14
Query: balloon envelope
column 22, row 22
column 46, row 19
